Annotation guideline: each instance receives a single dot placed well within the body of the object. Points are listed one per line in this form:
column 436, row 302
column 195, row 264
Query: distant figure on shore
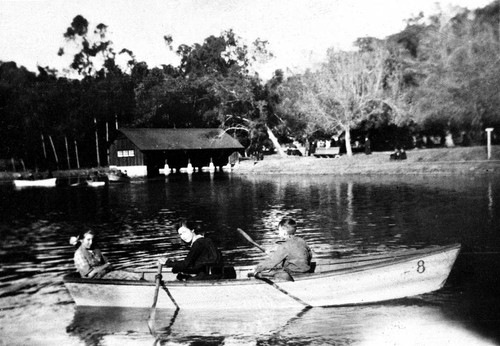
column 342, row 147
column 465, row 139
column 398, row 154
column 402, row 154
column 368, row 148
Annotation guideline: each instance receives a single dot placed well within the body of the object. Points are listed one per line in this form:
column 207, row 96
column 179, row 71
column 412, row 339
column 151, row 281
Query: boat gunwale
column 71, row 277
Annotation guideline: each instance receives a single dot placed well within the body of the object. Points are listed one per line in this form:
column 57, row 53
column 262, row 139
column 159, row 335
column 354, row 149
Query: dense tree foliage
column 437, row 77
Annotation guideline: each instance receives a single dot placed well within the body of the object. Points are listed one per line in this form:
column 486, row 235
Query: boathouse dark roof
column 147, row 139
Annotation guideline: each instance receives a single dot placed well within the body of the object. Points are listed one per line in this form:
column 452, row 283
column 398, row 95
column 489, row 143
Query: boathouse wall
column 149, row 151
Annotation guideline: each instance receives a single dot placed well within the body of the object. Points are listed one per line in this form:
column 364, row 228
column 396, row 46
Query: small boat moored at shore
column 348, row 281
column 117, row 176
column 35, row 183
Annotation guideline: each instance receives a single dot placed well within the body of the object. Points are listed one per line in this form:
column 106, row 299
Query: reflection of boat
column 89, row 183
column 178, row 324
column 339, row 282
column 35, row 183
column 117, row 176
column 393, row 323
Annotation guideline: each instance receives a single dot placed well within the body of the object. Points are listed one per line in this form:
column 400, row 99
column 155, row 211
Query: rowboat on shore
column 348, row 281
column 35, row 183
column 117, row 176
column 96, row 183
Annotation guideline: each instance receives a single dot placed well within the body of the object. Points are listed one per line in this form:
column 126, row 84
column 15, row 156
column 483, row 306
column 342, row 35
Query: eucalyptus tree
column 346, row 89
column 106, row 89
column 453, row 69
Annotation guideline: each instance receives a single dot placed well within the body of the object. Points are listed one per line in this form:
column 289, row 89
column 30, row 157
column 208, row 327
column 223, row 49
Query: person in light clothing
column 291, row 256
column 92, row 264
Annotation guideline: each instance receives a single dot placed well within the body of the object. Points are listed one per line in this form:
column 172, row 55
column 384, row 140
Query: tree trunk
column 67, row 151
column 276, row 144
column 97, row 144
column 348, row 147
column 76, row 154
column 54, row 150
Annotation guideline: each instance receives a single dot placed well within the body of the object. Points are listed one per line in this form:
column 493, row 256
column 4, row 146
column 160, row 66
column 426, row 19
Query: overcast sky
column 299, row 31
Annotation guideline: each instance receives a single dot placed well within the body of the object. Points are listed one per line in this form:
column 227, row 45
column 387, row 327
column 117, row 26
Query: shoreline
column 438, row 161
column 441, row 161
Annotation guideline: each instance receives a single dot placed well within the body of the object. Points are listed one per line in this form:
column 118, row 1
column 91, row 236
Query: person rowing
column 292, row 254
column 202, row 257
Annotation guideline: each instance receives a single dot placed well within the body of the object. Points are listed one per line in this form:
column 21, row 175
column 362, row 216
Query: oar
column 152, row 315
column 250, row 240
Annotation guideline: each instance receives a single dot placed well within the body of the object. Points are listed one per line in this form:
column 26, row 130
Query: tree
column 95, row 52
column 459, row 87
column 345, row 90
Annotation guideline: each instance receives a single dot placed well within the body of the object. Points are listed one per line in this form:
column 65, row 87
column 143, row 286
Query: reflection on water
column 401, row 323
column 338, row 216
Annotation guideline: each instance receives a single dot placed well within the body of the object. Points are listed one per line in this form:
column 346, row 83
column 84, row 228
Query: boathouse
column 146, row 151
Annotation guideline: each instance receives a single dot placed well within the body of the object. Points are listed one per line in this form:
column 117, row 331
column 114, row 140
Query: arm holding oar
column 292, row 255
column 274, row 264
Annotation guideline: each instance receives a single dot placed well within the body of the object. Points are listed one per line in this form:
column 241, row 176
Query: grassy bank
column 444, row 161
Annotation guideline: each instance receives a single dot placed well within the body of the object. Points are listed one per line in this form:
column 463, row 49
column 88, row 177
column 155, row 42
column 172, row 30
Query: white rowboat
column 339, row 282
column 35, row 183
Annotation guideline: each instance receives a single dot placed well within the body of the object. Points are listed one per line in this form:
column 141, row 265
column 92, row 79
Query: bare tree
column 345, row 89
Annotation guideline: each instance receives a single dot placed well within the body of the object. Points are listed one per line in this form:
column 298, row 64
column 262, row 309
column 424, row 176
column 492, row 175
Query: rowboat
column 35, row 183
column 96, row 183
column 117, row 176
column 350, row 281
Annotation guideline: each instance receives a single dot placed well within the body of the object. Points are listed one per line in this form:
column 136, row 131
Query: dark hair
column 194, row 226
column 76, row 240
column 288, row 224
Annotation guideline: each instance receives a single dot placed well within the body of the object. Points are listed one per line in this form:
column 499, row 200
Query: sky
column 299, row 32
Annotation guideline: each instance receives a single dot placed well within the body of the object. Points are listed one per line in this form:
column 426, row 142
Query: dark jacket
column 203, row 253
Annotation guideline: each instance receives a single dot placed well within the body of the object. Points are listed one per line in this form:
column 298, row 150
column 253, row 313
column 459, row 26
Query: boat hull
column 115, row 177
column 35, row 183
column 345, row 283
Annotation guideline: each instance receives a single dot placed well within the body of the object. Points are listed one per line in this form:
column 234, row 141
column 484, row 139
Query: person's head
column 86, row 238
column 187, row 230
column 287, row 227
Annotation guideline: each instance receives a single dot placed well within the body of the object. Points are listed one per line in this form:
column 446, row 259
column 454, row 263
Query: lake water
column 338, row 216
